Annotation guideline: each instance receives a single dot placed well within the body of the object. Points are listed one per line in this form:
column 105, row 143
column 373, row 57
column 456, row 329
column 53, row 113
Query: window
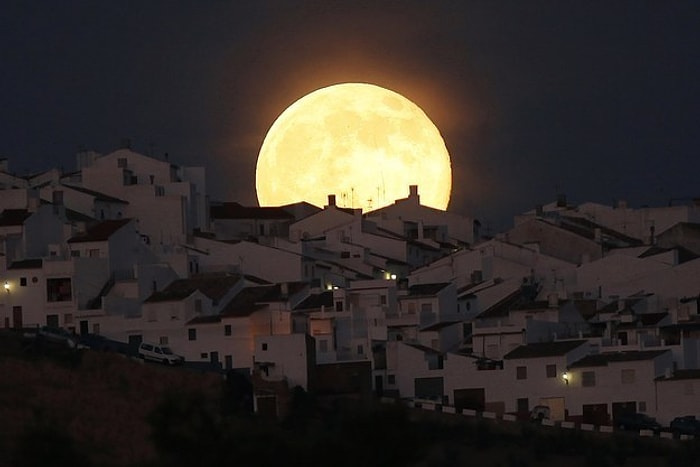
column 75, row 253
column 58, row 290
column 227, row 330
column 391, row 379
column 426, row 308
column 551, row 371
column 228, row 362
column 588, row 378
column 339, row 306
column 192, row 334
column 264, row 346
column 23, row 281
column 52, row 321
column 163, row 340
column 360, row 350
column 94, row 252
column 523, row 405
column 382, row 299
column 521, row 372
column 323, row 346
column 121, row 162
column 411, row 308
column 204, row 355
column 68, row 318
column 160, row 191
column 627, row 376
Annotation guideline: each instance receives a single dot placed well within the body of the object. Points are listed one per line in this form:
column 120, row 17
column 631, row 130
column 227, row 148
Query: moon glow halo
column 363, row 143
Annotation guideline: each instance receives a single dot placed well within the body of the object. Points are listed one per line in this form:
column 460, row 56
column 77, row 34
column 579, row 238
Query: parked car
column 686, row 425
column 159, row 353
column 59, row 336
column 637, row 421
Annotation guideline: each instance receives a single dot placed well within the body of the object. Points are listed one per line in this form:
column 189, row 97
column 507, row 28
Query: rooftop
column 100, row 232
column 604, row 359
column 544, row 349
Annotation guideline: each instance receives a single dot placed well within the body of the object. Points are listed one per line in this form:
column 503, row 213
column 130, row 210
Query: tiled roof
column 586, row 228
column 98, row 196
column 255, row 298
column 238, row 211
column 424, row 348
column 646, row 319
column 215, row 286
column 208, row 319
column 27, row 264
column 10, row 217
column 100, row 232
column 603, row 359
column 439, row 326
column 426, row 289
column 314, row 301
column 680, row 375
column 544, row 349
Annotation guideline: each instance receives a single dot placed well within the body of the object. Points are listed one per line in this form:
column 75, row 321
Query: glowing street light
column 7, row 286
column 565, row 377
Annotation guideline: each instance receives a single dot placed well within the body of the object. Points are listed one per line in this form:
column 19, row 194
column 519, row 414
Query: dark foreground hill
column 101, row 409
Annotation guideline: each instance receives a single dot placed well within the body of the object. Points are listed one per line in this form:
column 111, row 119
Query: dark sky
column 597, row 99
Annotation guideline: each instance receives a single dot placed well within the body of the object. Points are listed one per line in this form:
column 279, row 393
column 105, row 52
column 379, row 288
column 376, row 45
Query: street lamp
column 565, row 377
column 7, row 287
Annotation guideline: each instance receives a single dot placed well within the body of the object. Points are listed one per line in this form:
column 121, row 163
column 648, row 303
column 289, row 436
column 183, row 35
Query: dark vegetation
column 101, row 409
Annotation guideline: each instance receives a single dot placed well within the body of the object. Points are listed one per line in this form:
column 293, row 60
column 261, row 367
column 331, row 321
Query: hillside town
column 588, row 310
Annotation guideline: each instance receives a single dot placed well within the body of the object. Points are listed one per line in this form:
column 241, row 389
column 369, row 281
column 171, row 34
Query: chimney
column 561, row 200
column 4, row 165
column 413, row 193
column 331, row 200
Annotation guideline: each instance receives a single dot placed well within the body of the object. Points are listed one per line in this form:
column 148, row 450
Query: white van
column 159, row 353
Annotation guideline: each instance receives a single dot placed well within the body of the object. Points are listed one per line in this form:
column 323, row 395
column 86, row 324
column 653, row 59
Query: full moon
column 363, row 143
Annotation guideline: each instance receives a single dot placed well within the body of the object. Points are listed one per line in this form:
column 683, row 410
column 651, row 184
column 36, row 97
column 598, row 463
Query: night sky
column 597, row 99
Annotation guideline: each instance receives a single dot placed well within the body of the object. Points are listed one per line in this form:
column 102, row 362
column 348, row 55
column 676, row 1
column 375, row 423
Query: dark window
column 23, row 281
column 121, row 162
column 192, row 334
column 227, row 330
column 382, row 299
column 521, row 372
column 339, row 306
column 264, row 346
column 204, row 355
column 523, row 405
column 588, row 378
column 391, row 379
column 75, row 253
column 228, row 361
column 551, row 371
column 52, row 321
column 58, row 290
